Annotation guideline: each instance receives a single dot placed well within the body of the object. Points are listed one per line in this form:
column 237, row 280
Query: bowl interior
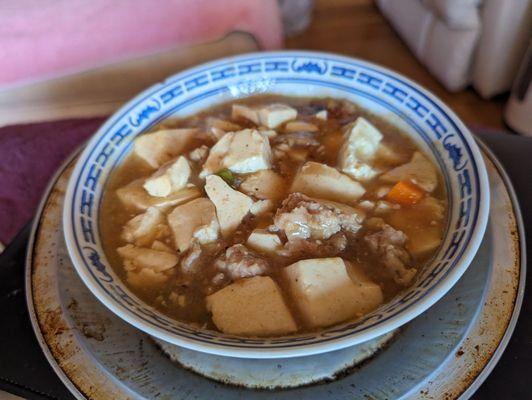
column 429, row 123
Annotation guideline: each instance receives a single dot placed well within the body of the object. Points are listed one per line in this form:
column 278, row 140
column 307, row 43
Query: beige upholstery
column 463, row 42
column 507, row 31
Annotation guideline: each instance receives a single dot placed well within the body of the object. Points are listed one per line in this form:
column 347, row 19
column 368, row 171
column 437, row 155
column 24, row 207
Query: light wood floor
column 357, row 28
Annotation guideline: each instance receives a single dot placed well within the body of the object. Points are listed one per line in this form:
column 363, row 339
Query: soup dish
column 275, row 205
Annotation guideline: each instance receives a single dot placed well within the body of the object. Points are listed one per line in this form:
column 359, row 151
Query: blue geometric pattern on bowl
column 430, row 123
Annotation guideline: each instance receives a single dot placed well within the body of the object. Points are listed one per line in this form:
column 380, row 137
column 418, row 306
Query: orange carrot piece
column 405, row 193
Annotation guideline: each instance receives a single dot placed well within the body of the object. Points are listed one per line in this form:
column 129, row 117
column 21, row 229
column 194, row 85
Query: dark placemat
column 25, row 371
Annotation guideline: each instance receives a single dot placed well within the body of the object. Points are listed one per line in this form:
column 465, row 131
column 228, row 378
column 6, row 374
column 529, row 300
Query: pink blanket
column 41, row 39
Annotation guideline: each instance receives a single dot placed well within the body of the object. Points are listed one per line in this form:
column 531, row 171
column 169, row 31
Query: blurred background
column 73, row 58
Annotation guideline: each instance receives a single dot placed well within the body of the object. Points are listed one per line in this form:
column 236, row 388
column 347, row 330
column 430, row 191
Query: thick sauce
column 183, row 298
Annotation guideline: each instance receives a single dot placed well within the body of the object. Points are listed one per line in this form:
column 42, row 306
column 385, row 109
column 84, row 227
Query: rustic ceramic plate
column 445, row 352
column 426, row 120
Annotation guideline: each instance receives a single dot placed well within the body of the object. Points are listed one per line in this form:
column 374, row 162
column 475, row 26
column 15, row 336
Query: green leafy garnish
column 227, row 176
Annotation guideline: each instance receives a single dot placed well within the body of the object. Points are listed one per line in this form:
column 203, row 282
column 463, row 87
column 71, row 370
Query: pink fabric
column 30, row 155
column 41, row 39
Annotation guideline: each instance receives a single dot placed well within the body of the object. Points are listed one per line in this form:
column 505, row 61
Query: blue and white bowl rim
column 449, row 141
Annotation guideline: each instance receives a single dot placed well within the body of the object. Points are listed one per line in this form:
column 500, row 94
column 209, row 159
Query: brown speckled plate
column 445, row 353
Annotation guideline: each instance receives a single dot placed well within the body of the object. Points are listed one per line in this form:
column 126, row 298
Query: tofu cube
column 144, row 228
column 326, row 293
column 217, row 127
column 199, row 154
column 241, row 152
column 146, row 278
column 226, row 126
column 244, row 112
column 300, row 126
column 160, row 246
column 362, row 142
column 274, row 115
column 157, row 261
column 387, row 154
column 366, row 205
column 324, row 182
column 421, row 243
column 322, row 115
column 419, row 170
column 262, row 207
column 251, row 307
column 135, row 198
column 159, row 147
column 269, row 133
column 194, row 220
column 264, row 184
column 231, row 205
column 169, row 178
column 264, row 242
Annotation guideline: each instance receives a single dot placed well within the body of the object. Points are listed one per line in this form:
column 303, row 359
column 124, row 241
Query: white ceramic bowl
column 431, row 124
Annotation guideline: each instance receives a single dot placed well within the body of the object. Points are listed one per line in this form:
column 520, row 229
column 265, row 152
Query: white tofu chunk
column 274, row 115
column 215, row 159
column 264, row 184
column 169, row 178
column 363, row 139
column 300, row 126
column 366, row 205
column 218, row 127
column 194, row 220
column 269, row 133
column 322, row 115
column 362, row 142
column 157, row 261
column 199, row 153
column 384, row 207
column 146, row 278
column 231, row 205
column 251, row 307
column 240, row 111
column 144, row 228
column 326, row 293
column 241, row 152
column 159, row 147
column 179, row 173
column 382, row 191
column 389, row 155
column 261, row 207
column 419, row 170
column 324, row 182
column 421, row 244
column 134, row 197
column 264, row 242
column 249, row 151
column 160, row 246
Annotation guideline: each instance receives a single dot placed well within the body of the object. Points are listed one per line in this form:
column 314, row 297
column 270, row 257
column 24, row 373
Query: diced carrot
column 405, row 193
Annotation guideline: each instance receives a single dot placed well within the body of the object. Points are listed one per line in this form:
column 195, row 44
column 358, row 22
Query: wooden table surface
column 357, row 28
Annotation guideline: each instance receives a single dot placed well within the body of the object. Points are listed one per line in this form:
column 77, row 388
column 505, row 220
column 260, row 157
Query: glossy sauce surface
column 415, row 220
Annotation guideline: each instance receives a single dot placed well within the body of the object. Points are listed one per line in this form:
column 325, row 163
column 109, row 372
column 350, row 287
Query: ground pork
column 389, row 245
column 239, row 262
column 301, row 217
column 304, row 248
